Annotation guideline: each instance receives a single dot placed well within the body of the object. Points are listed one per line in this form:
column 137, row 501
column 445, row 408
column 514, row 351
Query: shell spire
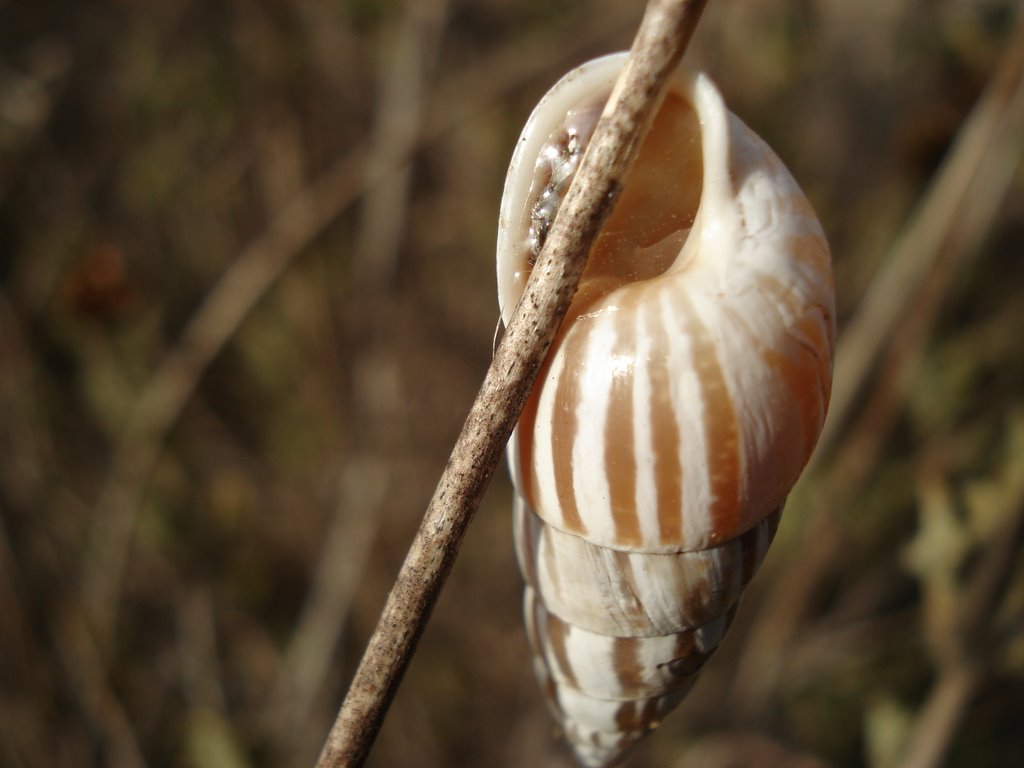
column 677, row 407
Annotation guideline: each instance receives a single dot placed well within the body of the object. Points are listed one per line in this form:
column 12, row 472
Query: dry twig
column 970, row 184
column 955, row 214
column 659, row 45
column 404, row 91
column 247, row 280
column 176, row 377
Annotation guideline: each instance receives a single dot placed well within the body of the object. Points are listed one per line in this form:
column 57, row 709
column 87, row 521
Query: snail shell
column 679, row 403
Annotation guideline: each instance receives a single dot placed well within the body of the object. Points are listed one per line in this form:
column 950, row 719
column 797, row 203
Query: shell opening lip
column 645, row 235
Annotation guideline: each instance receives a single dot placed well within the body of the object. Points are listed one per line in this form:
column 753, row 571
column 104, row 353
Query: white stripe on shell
column 590, row 481
column 542, row 457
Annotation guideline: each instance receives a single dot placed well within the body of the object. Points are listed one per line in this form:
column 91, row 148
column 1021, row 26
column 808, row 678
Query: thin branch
column 664, row 33
column 960, row 203
column 177, row 376
column 974, row 177
column 362, row 490
column 405, row 88
column 939, row 720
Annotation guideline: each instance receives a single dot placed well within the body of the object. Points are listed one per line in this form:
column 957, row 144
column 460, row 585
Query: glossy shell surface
column 680, row 402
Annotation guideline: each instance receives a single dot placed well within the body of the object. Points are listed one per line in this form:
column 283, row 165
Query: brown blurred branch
column 954, row 216
column 661, row 40
column 246, row 281
column 404, row 91
column 177, row 375
column 971, row 183
column 43, row 649
column 82, row 664
column 939, row 719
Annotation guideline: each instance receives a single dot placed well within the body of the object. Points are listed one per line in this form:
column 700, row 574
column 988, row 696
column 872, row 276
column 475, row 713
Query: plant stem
column 661, row 40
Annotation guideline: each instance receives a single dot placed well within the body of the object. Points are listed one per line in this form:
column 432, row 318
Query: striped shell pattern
column 677, row 407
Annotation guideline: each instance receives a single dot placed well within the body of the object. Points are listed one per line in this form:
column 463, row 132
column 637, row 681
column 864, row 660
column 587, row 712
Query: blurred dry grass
column 246, row 297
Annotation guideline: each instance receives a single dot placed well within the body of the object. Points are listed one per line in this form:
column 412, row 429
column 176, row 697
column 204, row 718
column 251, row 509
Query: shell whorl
column 679, row 403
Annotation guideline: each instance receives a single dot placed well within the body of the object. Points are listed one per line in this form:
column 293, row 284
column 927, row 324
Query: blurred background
column 247, row 297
